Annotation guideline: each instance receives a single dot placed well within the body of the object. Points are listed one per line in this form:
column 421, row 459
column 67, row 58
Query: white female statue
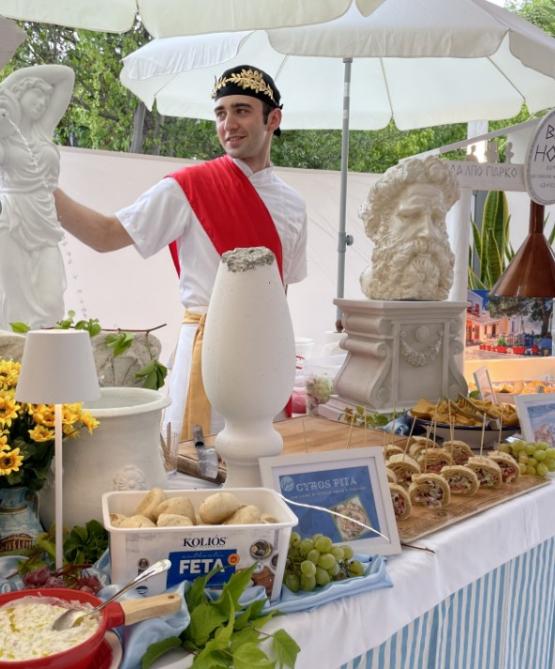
column 32, row 275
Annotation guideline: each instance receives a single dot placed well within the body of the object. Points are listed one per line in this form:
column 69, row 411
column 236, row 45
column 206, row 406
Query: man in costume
column 201, row 212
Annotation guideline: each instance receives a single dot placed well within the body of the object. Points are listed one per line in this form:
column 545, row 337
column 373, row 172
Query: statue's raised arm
column 44, row 93
column 32, row 276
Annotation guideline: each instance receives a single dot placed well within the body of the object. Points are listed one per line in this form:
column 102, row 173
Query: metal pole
column 344, row 240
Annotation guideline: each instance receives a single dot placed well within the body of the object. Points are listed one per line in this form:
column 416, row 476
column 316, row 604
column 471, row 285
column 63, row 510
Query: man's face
column 420, row 214
column 241, row 129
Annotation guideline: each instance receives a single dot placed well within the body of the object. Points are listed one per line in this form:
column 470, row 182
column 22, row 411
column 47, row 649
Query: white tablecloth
column 464, row 552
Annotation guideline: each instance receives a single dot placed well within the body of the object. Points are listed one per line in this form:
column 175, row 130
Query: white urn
column 123, row 453
column 248, row 359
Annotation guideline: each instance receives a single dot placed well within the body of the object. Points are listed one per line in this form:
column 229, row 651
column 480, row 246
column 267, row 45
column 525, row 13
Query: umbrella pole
column 344, row 240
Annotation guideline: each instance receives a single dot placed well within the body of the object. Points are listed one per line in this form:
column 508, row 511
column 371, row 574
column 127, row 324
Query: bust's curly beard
column 420, row 269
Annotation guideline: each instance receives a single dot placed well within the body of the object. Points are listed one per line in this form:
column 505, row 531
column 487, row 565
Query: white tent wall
column 123, row 290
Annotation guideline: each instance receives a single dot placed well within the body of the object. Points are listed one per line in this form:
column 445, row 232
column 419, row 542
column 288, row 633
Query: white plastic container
column 194, row 551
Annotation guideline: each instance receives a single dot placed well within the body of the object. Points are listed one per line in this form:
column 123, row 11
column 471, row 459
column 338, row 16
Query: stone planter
column 123, row 453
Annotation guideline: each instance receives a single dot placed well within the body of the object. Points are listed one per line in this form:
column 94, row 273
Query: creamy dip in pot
column 26, row 628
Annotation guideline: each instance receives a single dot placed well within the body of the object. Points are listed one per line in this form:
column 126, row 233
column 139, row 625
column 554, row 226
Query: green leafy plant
column 85, row 544
column 359, row 417
column 224, row 634
column 492, row 248
column 152, row 375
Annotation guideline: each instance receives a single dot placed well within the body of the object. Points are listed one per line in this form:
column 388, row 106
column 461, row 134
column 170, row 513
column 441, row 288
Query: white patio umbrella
column 10, row 38
column 165, row 18
column 419, row 62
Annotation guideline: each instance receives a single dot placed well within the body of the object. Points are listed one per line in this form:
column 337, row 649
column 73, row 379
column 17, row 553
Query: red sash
column 228, row 207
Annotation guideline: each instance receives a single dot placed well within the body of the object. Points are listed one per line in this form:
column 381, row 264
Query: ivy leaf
column 249, row 656
column 247, row 635
column 252, row 611
column 196, row 594
column 153, row 375
column 205, row 618
column 285, row 648
column 224, row 633
column 212, row 659
column 260, row 622
column 157, row 650
column 235, row 587
column 119, row 343
column 17, row 326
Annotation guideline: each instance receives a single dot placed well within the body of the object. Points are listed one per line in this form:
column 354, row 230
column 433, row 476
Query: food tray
column 194, row 551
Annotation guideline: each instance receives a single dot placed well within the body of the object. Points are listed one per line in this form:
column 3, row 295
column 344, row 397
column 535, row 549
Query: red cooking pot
column 114, row 614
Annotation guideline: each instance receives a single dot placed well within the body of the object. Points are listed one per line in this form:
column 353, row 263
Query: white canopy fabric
column 10, row 38
column 420, row 62
column 165, row 18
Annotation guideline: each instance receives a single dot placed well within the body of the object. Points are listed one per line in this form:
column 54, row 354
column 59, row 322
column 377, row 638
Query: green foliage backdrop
column 104, row 115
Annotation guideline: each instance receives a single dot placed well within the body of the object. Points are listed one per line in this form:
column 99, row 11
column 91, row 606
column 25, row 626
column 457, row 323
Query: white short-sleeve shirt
column 163, row 214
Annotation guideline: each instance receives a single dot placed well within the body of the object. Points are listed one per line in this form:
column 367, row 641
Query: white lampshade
column 57, row 367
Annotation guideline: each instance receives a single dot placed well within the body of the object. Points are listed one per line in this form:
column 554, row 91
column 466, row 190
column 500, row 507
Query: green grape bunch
column 534, row 458
column 316, row 561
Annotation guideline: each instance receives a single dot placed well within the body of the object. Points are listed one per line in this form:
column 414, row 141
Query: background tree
column 105, row 115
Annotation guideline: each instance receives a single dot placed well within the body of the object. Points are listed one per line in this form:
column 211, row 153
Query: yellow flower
column 9, row 373
column 41, row 433
column 43, row 414
column 8, row 408
column 89, row 421
column 10, row 462
column 4, row 442
column 70, row 431
column 71, row 413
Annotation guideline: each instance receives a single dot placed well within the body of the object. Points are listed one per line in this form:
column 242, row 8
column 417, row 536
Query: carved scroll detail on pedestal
column 417, row 358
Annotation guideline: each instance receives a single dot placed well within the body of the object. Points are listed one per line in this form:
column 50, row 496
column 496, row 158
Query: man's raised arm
column 100, row 232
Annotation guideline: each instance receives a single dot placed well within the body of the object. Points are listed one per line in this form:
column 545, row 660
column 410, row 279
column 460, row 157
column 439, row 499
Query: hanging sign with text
column 539, row 173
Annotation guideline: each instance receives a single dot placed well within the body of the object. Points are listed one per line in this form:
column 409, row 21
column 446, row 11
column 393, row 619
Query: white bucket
column 193, row 551
column 123, row 453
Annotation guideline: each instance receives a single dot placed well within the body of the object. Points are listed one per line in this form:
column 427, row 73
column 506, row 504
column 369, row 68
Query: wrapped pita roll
column 460, row 479
column 268, row 519
column 246, row 515
column 218, row 507
column 404, row 467
column 460, row 451
column 434, row 459
column 510, row 470
column 182, row 506
column 391, row 476
column 418, row 444
column 401, row 501
column 429, row 490
column 487, row 471
column 137, row 521
column 391, row 449
column 150, row 502
column 173, row 520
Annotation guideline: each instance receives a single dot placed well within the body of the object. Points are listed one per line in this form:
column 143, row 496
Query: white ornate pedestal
column 398, row 352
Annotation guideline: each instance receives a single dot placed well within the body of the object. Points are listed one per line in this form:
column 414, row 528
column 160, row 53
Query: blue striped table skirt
column 504, row 620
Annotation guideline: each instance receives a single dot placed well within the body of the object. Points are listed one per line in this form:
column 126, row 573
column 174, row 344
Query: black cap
column 251, row 81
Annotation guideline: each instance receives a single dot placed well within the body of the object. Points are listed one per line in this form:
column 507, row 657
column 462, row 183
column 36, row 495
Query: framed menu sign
column 343, row 494
column 539, row 172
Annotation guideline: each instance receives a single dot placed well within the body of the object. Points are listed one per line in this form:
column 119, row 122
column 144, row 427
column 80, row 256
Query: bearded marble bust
column 404, row 216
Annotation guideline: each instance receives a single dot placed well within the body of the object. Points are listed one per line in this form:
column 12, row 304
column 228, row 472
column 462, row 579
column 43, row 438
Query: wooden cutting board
column 303, row 434
column 425, row 520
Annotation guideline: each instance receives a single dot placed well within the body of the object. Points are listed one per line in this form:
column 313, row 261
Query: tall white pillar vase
column 123, row 453
column 248, row 359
